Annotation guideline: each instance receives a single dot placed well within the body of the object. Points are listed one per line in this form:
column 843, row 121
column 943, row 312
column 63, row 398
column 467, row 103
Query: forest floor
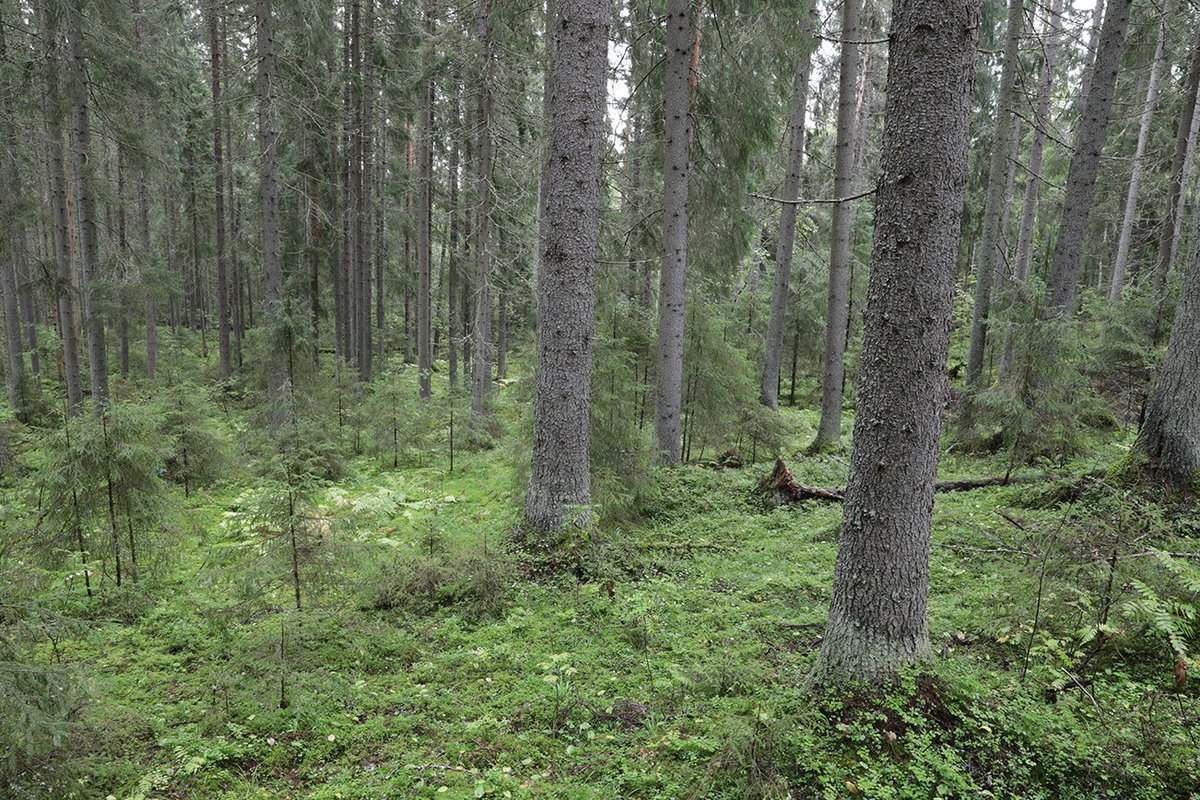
column 433, row 660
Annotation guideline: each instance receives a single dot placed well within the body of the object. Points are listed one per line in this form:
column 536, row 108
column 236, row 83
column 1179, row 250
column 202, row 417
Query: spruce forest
column 767, row 399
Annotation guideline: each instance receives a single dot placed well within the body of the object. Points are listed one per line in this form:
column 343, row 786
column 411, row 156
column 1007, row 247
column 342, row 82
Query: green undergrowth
column 431, row 658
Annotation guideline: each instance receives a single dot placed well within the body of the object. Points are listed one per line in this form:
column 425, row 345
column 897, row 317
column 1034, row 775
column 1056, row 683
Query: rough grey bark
column 539, row 213
column 481, row 385
column 453, row 332
column 559, row 479
column 672, row 287
column 1090, row 134
column 1175, row 196
column 213, row 12
column 424, row 212
column 773, row 347
column 837, row 310
column 992, row 246
column 1093, row 45
column 67, row 299
column 150, row 301
column 268, row 184
column 85, row 200
column 381, row 232
column 1051, row 38
column 877, row 614
column 343, row 282
column 1117, row 283
column 363, row 231
column 1170, row 436
column 12, row 237
column 870, row 26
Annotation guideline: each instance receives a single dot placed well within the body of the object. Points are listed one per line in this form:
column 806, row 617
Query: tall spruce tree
column 877, row 619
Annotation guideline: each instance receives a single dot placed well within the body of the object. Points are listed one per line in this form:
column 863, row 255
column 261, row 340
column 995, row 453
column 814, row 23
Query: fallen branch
column 814, row 201
column 1006, row 550
column 788, row 490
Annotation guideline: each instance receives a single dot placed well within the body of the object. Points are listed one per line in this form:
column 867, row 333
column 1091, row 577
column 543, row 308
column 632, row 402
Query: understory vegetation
column 339, row 614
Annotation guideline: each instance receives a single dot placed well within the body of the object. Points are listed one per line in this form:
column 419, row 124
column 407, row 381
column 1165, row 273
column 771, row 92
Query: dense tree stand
column 877, row 614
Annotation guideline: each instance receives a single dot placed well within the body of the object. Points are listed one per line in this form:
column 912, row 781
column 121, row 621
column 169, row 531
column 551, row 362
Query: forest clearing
column 600, row 399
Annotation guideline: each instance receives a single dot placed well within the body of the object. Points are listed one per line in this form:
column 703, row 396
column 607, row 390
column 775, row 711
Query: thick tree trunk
column 214, row 42
column 481, row 387
column 773, row 347
column 1081, row 177
column 1170, row 436
column 425, row 214
column 992, row 250
column 1167, row 241
column 1117, row 283
column 559, row 481
column 1051, row 38
column 837, row 310
column 89, row 241
column 672, row 289
column 278, row 349
column 877, row 615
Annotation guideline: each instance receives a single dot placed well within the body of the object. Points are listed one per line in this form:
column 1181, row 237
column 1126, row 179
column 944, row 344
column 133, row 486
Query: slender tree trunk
column 501, row 336
column 1117, row 284
column 1081, row 177
column 123, row 242
column 29, row 314
column 992, row 240
column 381, row 239
column 366, row 148
column 869, row 29
column 425, row 212
column 345, row 320
column 837, row 312
column 452, row 213
column 877, row 616
column 1093, row 46
column 214, row 44
column 236, row 307
column 278, row 349
column 150, row 298
column 67, row 288
column 312, row 239
column 539, row 213
column 13, row 242
column 482, row 384
column 773, row 347
column 89, row 242
column 1051, row 38
column 1170, row 436
column 672, row 289
column 1175, row 189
